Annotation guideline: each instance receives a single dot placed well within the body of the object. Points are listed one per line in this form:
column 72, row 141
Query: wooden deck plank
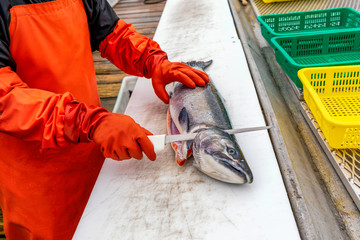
column 105, row 67
column 122, row 11
column 145, row 18
column 110, row 78
column 145, row 25
column 131, row 10
column 134, row 6
column 142, row 20
column 140, row 15
column 108, row 90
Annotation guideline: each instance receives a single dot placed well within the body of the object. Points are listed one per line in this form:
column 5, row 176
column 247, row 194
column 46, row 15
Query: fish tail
column 199, row 64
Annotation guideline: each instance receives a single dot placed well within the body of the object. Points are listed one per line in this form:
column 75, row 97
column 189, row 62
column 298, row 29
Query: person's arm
column 118, row 135
column 57, row 120
column 140, row 56
column 29, row 114
column 134, row 53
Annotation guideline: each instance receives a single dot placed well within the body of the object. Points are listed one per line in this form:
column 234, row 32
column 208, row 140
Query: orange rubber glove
column 120, row 138
column 166, row 72
column 118, row 135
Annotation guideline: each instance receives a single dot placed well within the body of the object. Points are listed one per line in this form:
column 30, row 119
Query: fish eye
column 231, row 151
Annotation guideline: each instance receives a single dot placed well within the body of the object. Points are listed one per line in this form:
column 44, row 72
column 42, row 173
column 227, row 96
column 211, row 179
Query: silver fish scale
column 203, row 106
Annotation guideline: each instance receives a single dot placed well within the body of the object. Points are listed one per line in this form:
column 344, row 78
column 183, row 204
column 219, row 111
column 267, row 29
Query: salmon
column 201, row 110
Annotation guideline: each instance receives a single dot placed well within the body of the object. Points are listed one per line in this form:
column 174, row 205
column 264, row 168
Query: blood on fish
column 180, row 162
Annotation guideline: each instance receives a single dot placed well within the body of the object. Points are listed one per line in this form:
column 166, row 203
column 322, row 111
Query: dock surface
column 145, row 18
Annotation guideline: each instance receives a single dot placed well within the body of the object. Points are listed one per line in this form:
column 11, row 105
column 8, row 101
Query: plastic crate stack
column 320, row 52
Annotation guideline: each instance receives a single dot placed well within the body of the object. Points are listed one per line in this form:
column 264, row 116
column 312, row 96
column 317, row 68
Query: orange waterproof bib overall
column 44, row 192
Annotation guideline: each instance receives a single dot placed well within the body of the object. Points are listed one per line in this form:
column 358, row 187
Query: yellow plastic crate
column 271, row 1
column 333, row 96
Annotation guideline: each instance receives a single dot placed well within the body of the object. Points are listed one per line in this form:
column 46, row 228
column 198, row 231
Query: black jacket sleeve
column 5, row 55
column 102, row 20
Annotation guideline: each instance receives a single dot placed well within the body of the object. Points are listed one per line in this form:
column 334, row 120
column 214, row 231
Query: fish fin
column 174, row 146
column 178, row 153
column 171, row 126
column 184, row 118
column 199, row 64
column 177, row 146
column 186, row 148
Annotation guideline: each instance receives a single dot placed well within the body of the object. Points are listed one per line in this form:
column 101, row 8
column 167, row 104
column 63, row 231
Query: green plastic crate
column 323, row 49
column 308, row 22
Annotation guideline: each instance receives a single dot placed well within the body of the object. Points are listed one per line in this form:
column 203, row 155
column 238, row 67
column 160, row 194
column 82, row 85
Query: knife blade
column 159, row 141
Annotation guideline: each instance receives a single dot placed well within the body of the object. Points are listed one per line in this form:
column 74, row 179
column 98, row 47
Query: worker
column 54, row 135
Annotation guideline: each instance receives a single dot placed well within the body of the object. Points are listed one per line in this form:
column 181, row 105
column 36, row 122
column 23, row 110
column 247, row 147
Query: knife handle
column 158, row 141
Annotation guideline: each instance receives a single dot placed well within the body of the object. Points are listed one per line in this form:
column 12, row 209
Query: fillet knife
column 159, row 141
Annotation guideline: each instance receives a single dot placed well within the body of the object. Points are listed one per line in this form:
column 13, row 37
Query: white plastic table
column 160, row 200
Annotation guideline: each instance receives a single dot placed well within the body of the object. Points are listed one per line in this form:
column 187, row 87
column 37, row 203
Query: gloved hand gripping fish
column 201, row 110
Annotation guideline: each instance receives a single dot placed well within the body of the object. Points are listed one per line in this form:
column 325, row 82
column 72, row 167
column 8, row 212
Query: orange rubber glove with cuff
column 118, row 135
column 138, row 55
column 166, row 72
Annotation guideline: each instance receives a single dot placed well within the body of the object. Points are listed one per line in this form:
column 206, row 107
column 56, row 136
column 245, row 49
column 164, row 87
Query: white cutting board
column 160, row 200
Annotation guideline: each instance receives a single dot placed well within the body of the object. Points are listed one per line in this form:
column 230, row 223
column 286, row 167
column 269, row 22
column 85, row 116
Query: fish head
column 217, row 154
